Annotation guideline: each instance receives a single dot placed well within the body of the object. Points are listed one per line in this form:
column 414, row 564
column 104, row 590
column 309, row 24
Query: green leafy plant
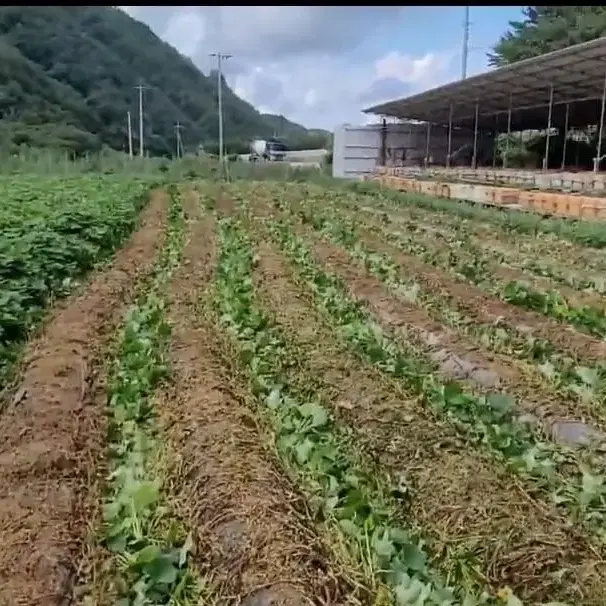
column 309, row 441
column 489, row 420
column 53, row 231
column 557, row 367
column 150, row 563
column 587, row 233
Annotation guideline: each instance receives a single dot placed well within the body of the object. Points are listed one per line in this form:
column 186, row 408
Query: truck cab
column 275, row 150
column 272, row 150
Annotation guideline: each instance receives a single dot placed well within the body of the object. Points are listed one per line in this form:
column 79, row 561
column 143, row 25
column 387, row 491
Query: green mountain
column 68, row 77
column 299, row 136
column 283, row 127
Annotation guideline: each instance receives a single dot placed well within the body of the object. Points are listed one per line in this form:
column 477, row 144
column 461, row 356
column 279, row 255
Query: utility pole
column 220, row 57
column 141, row 88
column 178, row 128
column 465, row 44
column 130, row 136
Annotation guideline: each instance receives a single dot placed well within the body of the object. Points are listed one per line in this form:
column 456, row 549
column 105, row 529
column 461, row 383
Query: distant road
column 299, row 158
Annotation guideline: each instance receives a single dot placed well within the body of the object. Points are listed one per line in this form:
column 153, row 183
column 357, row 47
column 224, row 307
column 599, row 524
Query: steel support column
column 427, row 145
column 546, row 157
column 383, row 146
column 474, row 159
column 596, row 162
column 565, row 137
column 506, row 154
column 494, row 142
column 449, row 137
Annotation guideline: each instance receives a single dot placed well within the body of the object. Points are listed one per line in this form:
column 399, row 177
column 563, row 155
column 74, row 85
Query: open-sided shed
column 562, row 89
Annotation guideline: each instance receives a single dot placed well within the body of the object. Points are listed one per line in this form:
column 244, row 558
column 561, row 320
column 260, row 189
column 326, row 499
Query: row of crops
column 423, row 383
column 436, row 401
column 440, row 400
column 54, row 230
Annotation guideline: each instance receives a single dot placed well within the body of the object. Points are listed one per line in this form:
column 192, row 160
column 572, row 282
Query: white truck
column 271, row 150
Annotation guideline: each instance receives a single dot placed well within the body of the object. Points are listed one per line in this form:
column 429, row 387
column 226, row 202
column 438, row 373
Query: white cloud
column 265, row 109
column 311, row 96
column 272, row 32
column 313, row 64
column 410, row 69
column 185, row 31
column 130, row 10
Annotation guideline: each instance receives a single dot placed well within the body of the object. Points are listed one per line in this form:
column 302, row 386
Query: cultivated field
column 282, row 393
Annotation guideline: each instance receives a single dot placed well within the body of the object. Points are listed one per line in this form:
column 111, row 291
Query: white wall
column 357, row 148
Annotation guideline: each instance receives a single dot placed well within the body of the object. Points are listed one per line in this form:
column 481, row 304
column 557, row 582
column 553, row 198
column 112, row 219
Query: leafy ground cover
column 454, row 486
column 538, row 454
column 53, row 231
column 307, row 401
column 150, row 550
column 582, row 382
column 586, row 233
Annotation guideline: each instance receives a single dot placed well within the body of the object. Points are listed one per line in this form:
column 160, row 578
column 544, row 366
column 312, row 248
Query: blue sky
column 435, row 29
column 321, row 65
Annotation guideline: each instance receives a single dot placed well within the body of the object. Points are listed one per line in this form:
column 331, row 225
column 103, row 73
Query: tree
column 547, row 28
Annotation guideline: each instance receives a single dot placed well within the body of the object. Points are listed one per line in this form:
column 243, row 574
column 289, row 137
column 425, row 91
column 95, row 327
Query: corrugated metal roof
column 576, row 73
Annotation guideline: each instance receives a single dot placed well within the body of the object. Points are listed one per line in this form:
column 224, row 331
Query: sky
column 320, row 66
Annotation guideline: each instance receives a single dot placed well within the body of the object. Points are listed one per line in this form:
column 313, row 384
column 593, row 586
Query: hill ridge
column 67, row 78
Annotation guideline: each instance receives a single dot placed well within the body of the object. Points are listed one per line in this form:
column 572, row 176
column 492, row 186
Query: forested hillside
column 298, row 136
column 67, row 78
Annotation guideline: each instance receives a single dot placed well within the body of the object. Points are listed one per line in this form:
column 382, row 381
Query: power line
column 465, row 44
column 220, row 57
column 141, row 88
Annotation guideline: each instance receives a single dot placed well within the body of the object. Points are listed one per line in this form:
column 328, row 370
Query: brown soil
column 456, row 355
column 51, row 437
column 573, row 256
column 249, row 521
column 477, row 517
column 225, row 204
column 374, row 227
column 548, row 250
column 584, row 261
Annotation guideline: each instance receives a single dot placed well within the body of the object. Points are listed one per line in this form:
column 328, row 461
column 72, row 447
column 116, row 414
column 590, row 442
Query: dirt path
column 225, row 204
column 52, row 436
column 478, row 518
column 249, row 521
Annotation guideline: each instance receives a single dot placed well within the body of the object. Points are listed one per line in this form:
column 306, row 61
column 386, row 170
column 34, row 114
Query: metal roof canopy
column 576, row 73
